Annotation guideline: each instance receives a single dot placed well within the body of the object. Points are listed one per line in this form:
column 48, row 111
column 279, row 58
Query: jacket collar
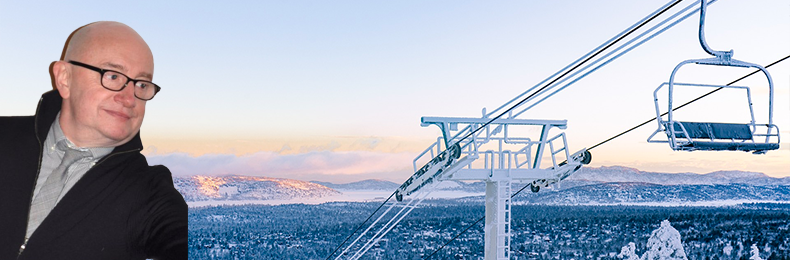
column 48, row 108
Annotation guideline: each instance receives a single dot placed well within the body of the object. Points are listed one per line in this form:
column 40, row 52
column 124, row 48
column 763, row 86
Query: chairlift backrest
column 713, row 131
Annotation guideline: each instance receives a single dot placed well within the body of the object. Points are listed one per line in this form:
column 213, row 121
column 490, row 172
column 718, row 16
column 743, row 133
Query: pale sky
column 337, row 88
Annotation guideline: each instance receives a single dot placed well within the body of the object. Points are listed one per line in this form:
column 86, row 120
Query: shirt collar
column 49, row 106
column 56, row 134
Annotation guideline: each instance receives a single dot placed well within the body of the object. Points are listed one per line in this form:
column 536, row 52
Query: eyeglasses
column 116, row 81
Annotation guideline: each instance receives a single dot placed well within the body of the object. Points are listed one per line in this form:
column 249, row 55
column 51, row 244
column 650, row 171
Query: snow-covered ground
column 346, row 195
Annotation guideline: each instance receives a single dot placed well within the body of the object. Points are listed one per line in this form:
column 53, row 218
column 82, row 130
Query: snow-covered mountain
column 597, row 175
column 472, row 187
column 362, row 185
column 625, row 174
column 202, row 188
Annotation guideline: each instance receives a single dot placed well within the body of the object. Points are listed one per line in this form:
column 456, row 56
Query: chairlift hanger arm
column 719, row 54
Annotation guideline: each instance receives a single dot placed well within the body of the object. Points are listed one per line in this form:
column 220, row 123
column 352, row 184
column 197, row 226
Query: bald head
column 93, row 115
column 96, row 35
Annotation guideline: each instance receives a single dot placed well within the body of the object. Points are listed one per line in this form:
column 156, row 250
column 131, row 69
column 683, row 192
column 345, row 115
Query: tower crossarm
column 451, row 133
column 508, row 148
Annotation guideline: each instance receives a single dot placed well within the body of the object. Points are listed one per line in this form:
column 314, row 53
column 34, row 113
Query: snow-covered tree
column 664, row 244
column 728, row 250
column 767, row 249
column 755, row 253
column 629, row 252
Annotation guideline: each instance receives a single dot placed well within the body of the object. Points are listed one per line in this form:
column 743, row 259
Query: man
column 73, row 184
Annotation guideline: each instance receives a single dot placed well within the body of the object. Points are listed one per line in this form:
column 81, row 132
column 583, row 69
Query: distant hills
column 203, row 188
column 361, row 185
column 625, row 174
column 623, row 185
column 592, row 185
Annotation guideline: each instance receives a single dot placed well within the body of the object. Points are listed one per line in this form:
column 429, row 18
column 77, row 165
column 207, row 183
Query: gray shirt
column 53, row 155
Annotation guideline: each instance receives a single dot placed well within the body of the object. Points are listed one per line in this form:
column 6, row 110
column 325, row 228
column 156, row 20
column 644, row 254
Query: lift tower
column 498, row 152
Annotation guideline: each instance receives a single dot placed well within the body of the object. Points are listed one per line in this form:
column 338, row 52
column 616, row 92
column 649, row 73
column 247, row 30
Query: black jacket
column 120, row 209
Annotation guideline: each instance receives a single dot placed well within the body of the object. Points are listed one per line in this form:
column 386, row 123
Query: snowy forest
column 298, row 231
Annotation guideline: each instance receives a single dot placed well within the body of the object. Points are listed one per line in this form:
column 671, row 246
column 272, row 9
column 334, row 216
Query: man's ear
column 61, row 75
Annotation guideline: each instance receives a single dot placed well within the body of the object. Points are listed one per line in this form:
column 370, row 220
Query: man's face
column 108, row 118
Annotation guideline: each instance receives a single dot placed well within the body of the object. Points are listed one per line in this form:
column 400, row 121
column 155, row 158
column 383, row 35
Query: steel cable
column 521, row 102
column 361, row 225
column 538, row 92
column 569, row 71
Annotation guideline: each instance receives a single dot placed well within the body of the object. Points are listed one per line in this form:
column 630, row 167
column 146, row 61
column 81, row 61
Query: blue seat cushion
column 714, row 131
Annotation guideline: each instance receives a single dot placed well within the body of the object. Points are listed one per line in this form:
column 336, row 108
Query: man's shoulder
column 153, row 178
column 164, row 211
column 160, row 173
column 138, row 168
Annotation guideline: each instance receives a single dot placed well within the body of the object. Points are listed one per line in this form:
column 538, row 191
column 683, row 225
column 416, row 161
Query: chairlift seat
column 731, row 137
column 692, row 136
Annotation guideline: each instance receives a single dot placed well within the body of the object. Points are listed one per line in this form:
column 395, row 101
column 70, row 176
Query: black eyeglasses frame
column 101, row 76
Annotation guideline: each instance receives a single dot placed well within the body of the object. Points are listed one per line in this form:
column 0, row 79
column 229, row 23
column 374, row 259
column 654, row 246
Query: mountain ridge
column 369, row 184
column 606, row 184
column 605, row 174
column 236, row 187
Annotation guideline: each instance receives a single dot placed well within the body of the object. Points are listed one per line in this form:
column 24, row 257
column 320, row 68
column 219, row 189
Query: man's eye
column 112, row 76
column 142, row 85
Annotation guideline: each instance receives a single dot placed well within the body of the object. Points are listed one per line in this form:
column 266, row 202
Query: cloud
column 273, row 164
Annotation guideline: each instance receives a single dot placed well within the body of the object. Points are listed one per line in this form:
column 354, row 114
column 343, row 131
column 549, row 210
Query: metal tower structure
column 502, row 147
column 498, row 152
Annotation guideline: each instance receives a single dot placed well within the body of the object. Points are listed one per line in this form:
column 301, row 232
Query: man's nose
column 126, row 95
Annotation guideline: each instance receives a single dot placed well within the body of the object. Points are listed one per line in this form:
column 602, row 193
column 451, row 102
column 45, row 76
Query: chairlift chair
column 709, row 136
